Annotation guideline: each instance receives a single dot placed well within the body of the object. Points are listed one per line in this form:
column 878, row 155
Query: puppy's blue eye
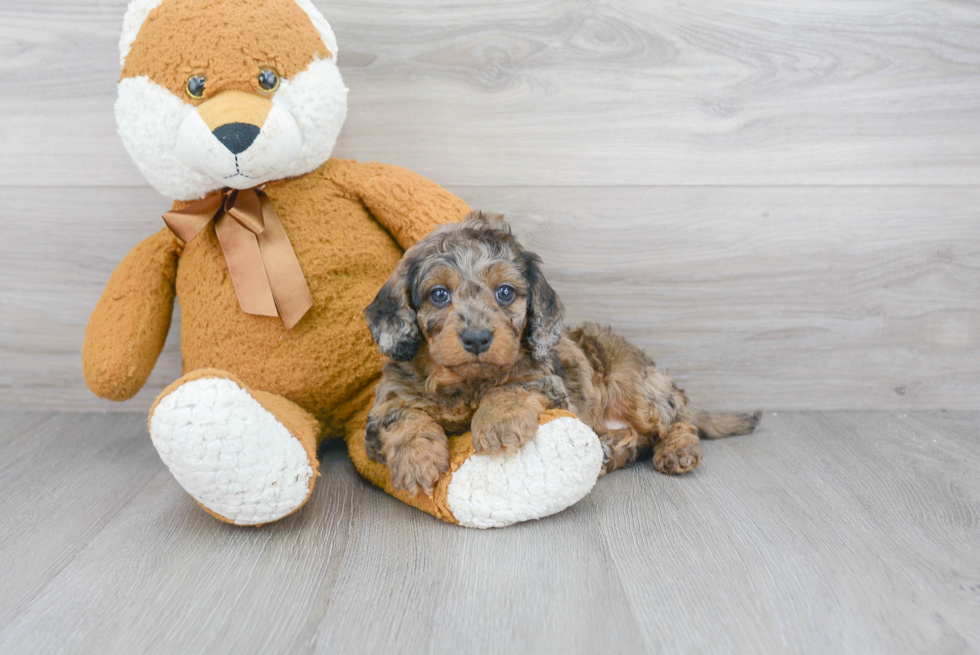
column 439, row 296
column 505, row 294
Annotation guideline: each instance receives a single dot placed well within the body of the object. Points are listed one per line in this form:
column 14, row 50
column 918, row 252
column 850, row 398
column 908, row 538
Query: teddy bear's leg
column 553, row 471
column 247, row 457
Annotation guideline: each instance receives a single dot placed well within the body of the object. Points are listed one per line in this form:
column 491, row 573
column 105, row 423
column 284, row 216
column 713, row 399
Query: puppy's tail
column 715, row 425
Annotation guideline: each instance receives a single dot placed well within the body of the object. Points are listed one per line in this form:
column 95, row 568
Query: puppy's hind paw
column 674, row 461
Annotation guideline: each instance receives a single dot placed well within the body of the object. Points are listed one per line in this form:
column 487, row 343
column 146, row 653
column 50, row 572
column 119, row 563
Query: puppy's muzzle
column 476, row 341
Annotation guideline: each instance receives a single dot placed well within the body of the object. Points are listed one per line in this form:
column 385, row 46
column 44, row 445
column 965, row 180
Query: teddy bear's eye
column 268, row 80
column 195, row 86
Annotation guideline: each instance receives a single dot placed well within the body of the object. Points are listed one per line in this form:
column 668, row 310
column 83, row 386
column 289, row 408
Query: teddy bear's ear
column 391, row 318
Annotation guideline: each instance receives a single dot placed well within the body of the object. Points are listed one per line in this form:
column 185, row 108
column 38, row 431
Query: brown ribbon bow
column 261, row 261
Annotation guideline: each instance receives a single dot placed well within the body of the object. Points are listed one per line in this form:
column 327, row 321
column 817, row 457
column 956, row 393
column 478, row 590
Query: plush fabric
column 259, row 15
column 129, row 326
column 180, row 38
column 256, row 463
column 239, row 429
column 346, row 253
column 556, row 470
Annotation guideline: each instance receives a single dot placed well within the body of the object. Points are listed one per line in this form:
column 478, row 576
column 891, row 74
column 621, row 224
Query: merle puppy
column 475, row 340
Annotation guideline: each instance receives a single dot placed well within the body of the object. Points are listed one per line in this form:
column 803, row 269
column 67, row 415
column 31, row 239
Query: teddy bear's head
column 227, row 93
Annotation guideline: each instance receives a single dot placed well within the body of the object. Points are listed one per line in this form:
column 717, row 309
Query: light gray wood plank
column 555, row 92
column 821, row 533
column 337, row 577
column 835, row 298
column 780, row 298
column 409, row 584
column 53, row 270
column 62, row 479
column 162, row 576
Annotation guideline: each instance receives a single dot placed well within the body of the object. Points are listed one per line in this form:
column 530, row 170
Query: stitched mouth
column 238, row 172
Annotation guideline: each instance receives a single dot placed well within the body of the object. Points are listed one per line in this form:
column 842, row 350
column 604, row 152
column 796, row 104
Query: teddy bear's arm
column 129, row 325
column 408, row 205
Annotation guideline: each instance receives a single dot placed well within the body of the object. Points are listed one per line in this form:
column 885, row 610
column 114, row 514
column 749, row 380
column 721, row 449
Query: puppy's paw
column 680, row 459
column 499, row 428
column 417, row 464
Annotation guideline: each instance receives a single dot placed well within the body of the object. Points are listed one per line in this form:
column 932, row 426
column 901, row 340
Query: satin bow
column 262, row 263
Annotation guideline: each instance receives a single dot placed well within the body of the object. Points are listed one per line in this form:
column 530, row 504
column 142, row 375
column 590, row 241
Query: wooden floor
column 821, row 533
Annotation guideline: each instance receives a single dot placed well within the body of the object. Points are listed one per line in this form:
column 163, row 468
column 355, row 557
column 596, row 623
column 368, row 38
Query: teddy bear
column 231, row 108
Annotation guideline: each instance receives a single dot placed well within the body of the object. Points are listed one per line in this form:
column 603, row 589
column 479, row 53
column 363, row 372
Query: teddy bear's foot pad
column 553, row 471
column 230, row 453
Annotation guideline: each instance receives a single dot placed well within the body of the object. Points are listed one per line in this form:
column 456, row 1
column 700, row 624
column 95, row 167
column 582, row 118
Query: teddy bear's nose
column 237, row 137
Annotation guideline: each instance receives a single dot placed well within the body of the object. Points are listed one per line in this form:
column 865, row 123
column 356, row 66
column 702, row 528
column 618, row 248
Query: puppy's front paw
column 417, row 464
column 677, row 460
column 496, row 428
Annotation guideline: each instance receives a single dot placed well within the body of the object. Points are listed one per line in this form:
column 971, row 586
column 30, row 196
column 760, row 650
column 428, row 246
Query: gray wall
column 778, row 200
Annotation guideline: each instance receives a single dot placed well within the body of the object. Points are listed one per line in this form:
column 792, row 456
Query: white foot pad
column 552, row 472
column 230, row 453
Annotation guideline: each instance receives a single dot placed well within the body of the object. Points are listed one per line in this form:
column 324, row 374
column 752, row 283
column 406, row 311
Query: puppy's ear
column 391, row 318
column 485, row 218
column 479, row 221
column 545, row 313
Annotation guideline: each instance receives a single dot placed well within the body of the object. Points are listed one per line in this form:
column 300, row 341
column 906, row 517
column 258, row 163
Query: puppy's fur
column 466, row 353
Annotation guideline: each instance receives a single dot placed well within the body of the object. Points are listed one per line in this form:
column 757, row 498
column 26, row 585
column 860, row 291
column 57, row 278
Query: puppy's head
column 227, row 93
column 473, row 295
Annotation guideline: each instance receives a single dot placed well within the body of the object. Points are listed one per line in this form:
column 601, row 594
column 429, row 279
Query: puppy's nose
column 476, row 341
column 237, row 137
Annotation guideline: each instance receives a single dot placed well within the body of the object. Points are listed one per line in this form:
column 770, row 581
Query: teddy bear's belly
column 328, row 358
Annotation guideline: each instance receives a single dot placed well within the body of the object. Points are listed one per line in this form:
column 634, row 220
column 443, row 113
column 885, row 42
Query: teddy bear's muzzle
column 235, row 108
column 238, row 139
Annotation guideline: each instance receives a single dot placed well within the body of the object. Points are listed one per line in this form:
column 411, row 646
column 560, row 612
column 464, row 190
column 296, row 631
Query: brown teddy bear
column 232, row 107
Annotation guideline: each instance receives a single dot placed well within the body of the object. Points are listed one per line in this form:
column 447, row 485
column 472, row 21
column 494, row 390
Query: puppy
column 475, row 340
